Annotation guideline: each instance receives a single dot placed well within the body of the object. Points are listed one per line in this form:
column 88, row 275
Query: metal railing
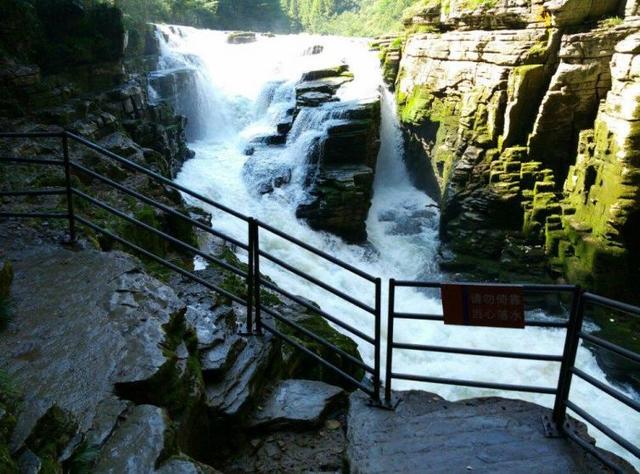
column 575, row 333
column 254, row 281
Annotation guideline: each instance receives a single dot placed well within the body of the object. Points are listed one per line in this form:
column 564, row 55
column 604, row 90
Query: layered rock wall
column 597, row 239
column 500, row 99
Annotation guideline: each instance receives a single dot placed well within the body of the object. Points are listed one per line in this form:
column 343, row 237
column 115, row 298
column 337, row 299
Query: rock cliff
column 522, row 112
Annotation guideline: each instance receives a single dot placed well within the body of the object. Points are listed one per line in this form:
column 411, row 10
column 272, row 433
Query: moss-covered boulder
column 296, row 364
column 52, row 434
column 241, row 37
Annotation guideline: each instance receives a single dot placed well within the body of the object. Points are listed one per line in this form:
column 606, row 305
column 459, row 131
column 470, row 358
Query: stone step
column 219, row 358
column 238, row 391
column 297, row 404
column 428, row 434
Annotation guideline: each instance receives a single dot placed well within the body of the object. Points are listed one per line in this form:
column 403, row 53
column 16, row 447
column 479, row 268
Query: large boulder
column 78, row 350
column 342, row 183
column 340, row 201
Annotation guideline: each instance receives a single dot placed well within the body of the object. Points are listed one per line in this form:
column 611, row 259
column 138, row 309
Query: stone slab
column 428, row 434
column 297, row 404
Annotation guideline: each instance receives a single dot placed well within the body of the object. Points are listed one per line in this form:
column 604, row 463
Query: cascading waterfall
column 244, row 91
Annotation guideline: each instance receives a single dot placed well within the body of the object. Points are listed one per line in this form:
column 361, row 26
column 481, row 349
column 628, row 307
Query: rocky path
column 119, row 373
column 429, row 434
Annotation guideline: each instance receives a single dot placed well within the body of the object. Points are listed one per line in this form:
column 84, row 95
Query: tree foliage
column 345, row 17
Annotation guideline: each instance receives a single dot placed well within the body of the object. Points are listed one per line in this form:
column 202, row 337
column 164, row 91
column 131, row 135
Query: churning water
column 239, row 92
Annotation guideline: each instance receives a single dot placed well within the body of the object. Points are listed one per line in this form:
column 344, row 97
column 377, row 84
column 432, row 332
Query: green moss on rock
column 51, row 435
column 9, row 400
column 299, row 365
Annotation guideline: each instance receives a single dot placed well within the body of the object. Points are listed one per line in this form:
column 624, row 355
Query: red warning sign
column 483, row 305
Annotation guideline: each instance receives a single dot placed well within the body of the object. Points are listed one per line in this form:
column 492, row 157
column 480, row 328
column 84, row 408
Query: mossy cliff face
column 496, row 97
column 597, row 239
column 468, row 100
column 113, row 109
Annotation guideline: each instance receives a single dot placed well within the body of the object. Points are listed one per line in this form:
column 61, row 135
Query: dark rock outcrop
column 297, row 404
column 241, row 37
column 341, row 162
column 342, row 181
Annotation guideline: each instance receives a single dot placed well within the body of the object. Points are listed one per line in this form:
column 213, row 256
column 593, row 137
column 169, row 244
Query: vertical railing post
column 389, row 367
column 256, row 276
column 568, row 359
column 67, row 176
column 250, row 275
column 378, row 341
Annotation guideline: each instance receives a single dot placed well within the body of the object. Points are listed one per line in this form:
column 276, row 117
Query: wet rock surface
column 183, row 466
column 428, row 434
column 319, row 450
column 296, row 404
column 342, row 184
column 137, row 443
column 66, row 349
column 235, row 394
column 126, row 317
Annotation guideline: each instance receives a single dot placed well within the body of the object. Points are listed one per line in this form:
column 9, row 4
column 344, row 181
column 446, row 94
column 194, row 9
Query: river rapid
column 241, row 91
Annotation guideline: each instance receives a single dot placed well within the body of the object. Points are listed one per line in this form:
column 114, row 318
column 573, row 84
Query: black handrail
column 574, row 334
column 157, row 232
column 256, row 283
column 315, row 281
column 158, row 205
column 254, row 280
column 157, row 177
column 318, row 252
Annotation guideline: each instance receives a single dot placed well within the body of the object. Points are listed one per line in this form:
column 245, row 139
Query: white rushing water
column 242, row 91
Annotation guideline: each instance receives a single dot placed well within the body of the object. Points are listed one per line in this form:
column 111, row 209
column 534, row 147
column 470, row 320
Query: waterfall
column 240, row 92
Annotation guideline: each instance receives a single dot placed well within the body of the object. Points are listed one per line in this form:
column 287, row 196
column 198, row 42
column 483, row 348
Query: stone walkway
column 428, row 434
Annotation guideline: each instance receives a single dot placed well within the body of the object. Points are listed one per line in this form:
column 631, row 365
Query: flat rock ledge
column 297, row 404
column 429, row 434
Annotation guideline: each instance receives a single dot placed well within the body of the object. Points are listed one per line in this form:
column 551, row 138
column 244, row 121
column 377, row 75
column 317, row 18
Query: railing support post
column 390, row 321
column 256, row 276
column 67, row 176
column 250, row 275
column 378, row 341
column 568, row 359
